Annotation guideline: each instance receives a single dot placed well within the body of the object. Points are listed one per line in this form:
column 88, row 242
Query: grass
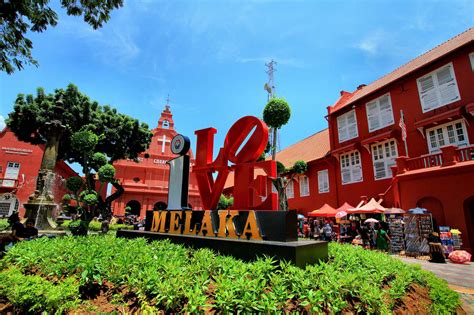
column 172, row 278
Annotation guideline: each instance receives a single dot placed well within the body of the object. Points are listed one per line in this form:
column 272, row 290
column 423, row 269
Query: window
column 438, row 88
column 471, row 57
column 453, row 133
column 380, row 113
column 12, row 172
column 323, row 181
column 383, row 157
column 166, row 124
column 351, row 168
column 290, row 193
column 347, row 126
column 304, row 186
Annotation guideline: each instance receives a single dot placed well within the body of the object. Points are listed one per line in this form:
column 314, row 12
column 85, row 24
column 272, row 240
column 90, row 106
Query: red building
column 146, row 182
column 362, row 154
column 19, row 166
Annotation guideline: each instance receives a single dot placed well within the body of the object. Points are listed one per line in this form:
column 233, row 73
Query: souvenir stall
column 418, row 226
column 394, row 218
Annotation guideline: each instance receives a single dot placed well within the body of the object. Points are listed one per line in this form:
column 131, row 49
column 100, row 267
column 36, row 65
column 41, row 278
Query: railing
column 449, row 155
column 431, row 160
column 465, row 154
column 8, row 183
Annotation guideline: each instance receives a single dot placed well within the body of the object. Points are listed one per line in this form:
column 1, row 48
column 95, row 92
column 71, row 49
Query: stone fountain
column 41, row 205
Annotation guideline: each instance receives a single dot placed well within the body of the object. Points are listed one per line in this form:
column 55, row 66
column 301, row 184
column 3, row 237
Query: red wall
column 315, row 199
column 29, row 156
column 445, row 192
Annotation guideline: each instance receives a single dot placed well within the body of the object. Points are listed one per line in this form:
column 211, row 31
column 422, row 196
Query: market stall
column 394, row 218
column 418, row 226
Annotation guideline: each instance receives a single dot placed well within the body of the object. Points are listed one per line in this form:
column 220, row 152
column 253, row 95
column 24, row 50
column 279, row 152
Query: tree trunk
column 106, row 205
column 282, row 199
column 274, row 144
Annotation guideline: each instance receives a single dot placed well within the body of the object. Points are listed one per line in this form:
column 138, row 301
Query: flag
column 403, row 127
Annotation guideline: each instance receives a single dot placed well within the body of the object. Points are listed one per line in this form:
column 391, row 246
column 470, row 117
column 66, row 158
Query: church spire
column 166, row 119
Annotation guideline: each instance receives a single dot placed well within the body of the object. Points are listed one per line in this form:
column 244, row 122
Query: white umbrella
column 371, row 220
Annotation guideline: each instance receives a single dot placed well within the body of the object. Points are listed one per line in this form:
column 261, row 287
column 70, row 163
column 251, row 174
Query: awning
column 439, row 118
column 325, row 211
column 345, row 207
column 394, row 211
column 371, row 207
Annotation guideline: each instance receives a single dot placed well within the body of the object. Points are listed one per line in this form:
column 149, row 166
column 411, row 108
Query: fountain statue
column 41, row 205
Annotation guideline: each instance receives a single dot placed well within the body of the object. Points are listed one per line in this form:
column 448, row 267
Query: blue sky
column 210, row 56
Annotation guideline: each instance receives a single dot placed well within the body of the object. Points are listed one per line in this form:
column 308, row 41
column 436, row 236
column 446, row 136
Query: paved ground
column 459, row 277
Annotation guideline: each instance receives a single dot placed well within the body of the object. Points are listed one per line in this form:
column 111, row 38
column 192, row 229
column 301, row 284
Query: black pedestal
column 300, row 253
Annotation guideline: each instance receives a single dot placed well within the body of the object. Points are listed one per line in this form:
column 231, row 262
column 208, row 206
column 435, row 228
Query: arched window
column 160, row 205
column 166, row 124
column 133, row 207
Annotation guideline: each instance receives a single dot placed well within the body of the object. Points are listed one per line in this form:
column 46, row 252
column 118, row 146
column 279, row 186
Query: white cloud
column 2, row 122
column 371, row 44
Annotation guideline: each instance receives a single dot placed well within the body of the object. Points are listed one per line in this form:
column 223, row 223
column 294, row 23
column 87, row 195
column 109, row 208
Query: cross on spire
column 167, row 106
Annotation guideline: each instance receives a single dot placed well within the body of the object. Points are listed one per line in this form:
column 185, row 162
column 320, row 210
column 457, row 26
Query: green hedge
column 173, row 278
column 4, row 224
column 96, row 226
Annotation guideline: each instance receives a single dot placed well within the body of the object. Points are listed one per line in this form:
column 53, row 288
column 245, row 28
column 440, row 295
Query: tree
column 225, row 202
column 94, row 136
column 285, row 177
column 276, row 114
column 17, row 17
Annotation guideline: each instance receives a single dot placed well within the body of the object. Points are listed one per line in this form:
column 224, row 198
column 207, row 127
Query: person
column 436, row 248
column 317, row 230
column 311, row 228
column 327, row 232
column 30, row 232
column 16, row 234
column 382, row 239
column 364, row 235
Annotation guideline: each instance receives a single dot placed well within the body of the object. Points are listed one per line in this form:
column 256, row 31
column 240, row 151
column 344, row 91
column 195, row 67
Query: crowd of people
column 373, row 235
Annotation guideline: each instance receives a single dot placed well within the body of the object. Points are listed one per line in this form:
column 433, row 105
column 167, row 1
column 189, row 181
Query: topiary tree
column 94, row 136
column 276, row 114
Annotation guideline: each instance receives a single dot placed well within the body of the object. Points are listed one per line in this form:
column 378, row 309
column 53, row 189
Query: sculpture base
column 300, row 253
column 42, row 212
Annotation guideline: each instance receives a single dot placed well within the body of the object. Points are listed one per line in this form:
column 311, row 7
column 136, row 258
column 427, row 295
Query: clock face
column 180, row 145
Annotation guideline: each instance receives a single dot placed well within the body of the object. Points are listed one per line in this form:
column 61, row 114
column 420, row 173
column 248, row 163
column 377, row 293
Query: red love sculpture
column 247, row 189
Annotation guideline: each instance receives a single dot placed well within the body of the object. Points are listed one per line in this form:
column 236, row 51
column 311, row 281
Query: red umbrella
column 459, row 257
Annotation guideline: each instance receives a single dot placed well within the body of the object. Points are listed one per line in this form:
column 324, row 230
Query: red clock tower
column 146, row 182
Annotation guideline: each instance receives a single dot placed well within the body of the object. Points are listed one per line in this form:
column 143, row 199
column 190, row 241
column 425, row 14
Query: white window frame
column 436, row 87
column 304, row 186
column 290, row 190
column 384, row 152
column 165, row 124
column 9, row 180
column 344, row 119
column 445, row 135
column 471, row 58
column 323, row 181
column 378, row 113
column 350, row 162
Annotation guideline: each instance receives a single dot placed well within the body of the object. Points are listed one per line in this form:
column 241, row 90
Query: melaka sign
column 247, row 230
column 243, row 145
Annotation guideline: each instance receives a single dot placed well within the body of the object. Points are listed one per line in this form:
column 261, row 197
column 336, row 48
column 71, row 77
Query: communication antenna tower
column 270, row 86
